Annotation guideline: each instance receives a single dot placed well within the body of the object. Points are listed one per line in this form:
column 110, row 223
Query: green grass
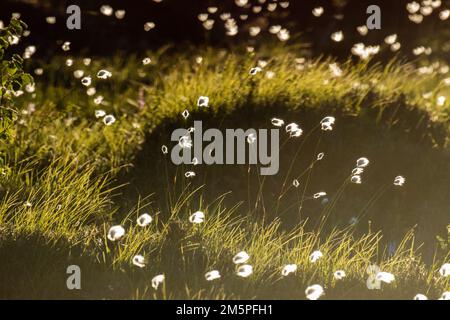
column 76, row 174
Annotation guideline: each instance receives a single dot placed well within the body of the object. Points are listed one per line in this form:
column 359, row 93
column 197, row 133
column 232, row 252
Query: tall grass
column 60, row 197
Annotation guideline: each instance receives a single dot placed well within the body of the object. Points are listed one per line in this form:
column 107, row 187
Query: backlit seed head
column 146, row 61
column 288, row 269
column 314, row 292
column 157, row 281
column 244, row 271
column 86, row 81
column 254, row 31
column 164, row 149
column 251, row 138
column 106, row 10
column 444, row 271
column 120, row 14
column 445, row 296
column 91, row 91
column 98, row 100
column 362, row 30
column 87, row 61
column 212, row 275
column 339, row 274
column 241, row 257
column 420, row 296
column 241, row 3
column 149, row 26
column 277, row 122
column 255, row 70
column 337, row 36
column 109, row 120
column 78, row 74
column 315, row 256
column 320, row 156
column 100, row 113
column 413, row 7
column 139, row 261
column 104, row 74
column 189, row 174
column 66, row 46
column 50, row 20
column 115, row 233
column 295, row 183
column 327, row 123
column 362, row 162
column 385, row 277
column 197, row 217
column 399, row 181
column 144, row 220
column 391, row 39
column 356, row 179
column 319, row 194
column 185, row 142
column 275, row 29
column 185, row 114
column 357, row 171
column 441, row 101
column 444, row 14
column 203, row 101
column 317, row 12
column 283, row 35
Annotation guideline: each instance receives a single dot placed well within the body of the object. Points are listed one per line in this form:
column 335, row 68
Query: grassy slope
column 64, row 159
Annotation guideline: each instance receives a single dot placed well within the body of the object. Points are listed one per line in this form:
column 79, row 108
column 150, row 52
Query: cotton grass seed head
column 157, row 281
column 339, row 275
column 385, row 277
column 144, row 220
column 115, row 233
column 356, row 179
column 104, row 74
column 399, row 181
column 445, row 296
column 444, row 271
column 185, row 142
column 244, row 270
column 317, row 12
column 109, row 120
column 100, row 113
column 255, row 70
column 203, row 101
column 327, row 123
column 362, row 162
column 314, row 292
column 288, row 269
column 315, row 256
column 241, row 257
column 139, row 261
column 212, row 275
column 277, row 122
column 319, row 194
column 251, row 138
column 189, row 174
column 197, row 217
column 86, row 81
